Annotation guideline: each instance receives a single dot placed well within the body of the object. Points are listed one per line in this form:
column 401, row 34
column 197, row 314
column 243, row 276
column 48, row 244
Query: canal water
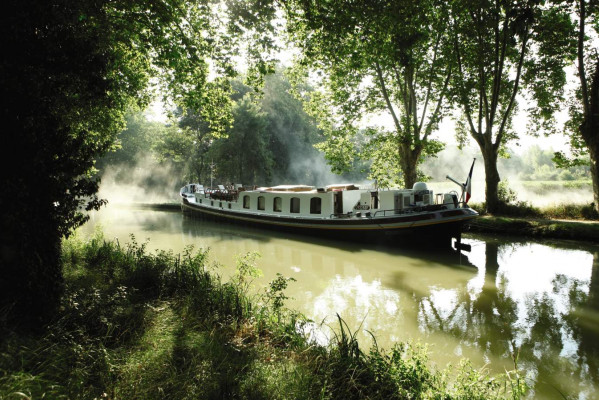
column 507, row 297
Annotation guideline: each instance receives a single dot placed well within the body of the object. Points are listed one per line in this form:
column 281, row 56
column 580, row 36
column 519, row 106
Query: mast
column 212, row 165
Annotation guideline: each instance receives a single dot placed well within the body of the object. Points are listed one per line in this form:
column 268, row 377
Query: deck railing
column 385, row 213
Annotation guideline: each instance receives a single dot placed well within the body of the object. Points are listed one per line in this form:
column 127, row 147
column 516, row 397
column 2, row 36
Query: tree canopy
column 499, row 47
column 583, row 105
column 270, row 140
column 376, row 58
column 69, row 72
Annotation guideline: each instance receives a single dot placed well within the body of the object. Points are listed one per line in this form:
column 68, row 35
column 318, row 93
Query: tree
column 69, row 72
column 501, row 46
column 583, row 126
column 186, row 143
column 280, row 146
column 243, row 156
column 133, row 143
column 291, row 133
column 376, row 57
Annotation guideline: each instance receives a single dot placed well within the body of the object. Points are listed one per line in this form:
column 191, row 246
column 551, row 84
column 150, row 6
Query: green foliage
column 553, row 35
column 510, row 206
column 379, row 58
column 404, row 372
column 582, row 125
column 244, row 155
column 270, row 140
column 133, row 145
column 291, row 133
column 72, row 72
column 246, row 271
column 501, row 48
column 339, row 151
column 179, row 147
column 544, row 187
column 523, row 226
column 275, row 296
column 505, row 193
column 254, row 25
column 537, row 164
column 571, row 211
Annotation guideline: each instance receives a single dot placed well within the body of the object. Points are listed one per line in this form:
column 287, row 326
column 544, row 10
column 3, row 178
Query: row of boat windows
column 277, row 204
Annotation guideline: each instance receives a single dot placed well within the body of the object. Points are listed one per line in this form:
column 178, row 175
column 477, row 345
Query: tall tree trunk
column 409, row 164
column 491, row 178
column 31, row 281
column 589, row 130
column 595, row 175
column 410, row 176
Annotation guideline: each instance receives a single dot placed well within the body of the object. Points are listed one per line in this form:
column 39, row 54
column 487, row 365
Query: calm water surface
column 536, row 299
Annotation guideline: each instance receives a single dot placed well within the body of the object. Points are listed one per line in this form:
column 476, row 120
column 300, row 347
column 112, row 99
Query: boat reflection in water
column 540, row 301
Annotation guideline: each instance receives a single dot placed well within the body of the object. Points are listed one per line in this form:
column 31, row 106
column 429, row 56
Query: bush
column 571, row 211
column 566, row 175
column 511, row 207
column 404, row 372
column 505, row 194
column 519, row 209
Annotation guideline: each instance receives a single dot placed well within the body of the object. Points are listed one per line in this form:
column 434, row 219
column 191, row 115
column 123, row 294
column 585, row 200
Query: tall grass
column 403, row 372
column 152, row 326
column 557, row 211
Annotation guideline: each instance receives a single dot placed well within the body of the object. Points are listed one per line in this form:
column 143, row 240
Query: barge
column 343, row 211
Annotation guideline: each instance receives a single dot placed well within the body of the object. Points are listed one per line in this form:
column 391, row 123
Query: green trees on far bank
column 136, row 139
column 270, row 140
column 244, row 155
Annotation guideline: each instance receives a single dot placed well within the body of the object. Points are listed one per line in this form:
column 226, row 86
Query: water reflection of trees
column 485, row 320
column 555, row 333
column 563, row 344
column 583, row 321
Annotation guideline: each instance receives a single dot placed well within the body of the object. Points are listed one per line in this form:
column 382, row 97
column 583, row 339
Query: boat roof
column 288, row 188
column 308, row 188
column 342, row 186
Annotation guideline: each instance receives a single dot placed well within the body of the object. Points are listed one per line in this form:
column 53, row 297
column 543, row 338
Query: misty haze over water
column 150, row 181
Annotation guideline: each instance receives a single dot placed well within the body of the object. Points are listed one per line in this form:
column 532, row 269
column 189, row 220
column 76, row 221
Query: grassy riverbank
column 571, row 222
column 135, row 325
column 537, row 228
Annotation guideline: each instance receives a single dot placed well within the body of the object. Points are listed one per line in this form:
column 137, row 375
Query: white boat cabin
column 333, row 201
